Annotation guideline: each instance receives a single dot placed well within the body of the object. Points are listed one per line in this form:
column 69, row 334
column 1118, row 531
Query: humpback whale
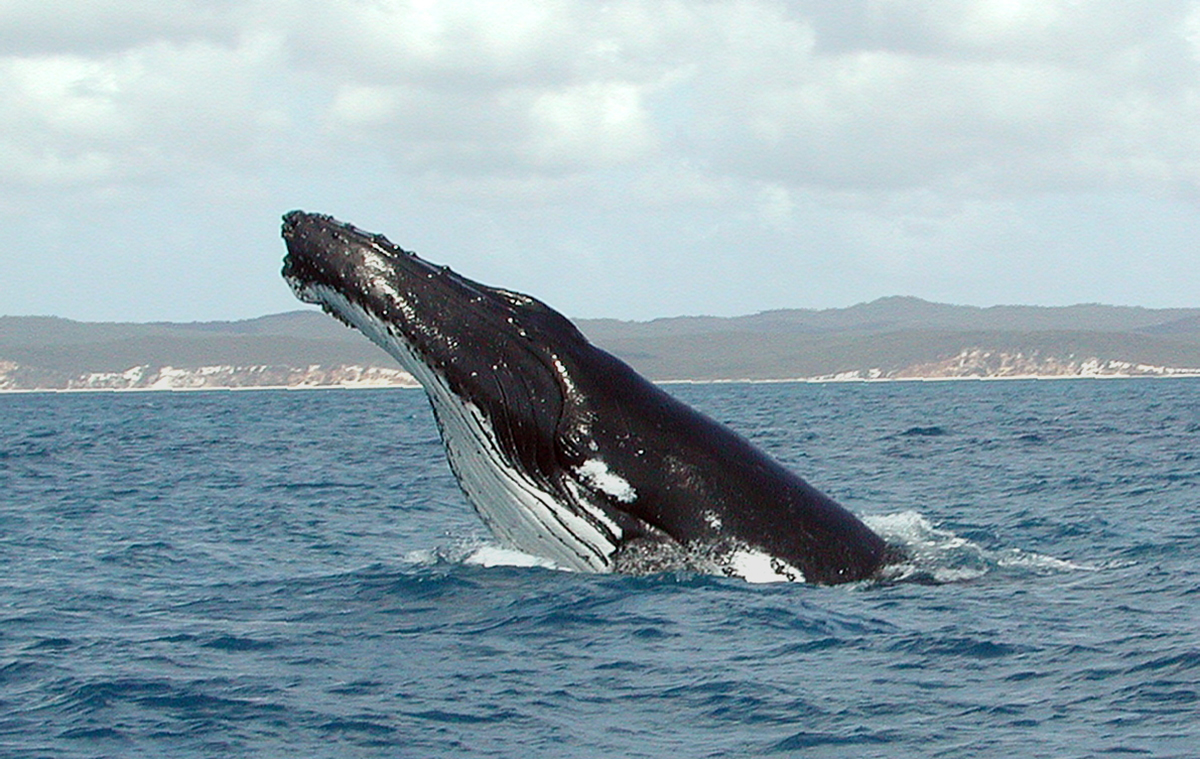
column 565, row 451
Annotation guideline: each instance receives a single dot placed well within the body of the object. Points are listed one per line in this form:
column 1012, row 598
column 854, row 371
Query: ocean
column 295, row 574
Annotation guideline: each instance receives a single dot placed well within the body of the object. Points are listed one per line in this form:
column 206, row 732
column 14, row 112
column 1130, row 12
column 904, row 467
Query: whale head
column 498, row 348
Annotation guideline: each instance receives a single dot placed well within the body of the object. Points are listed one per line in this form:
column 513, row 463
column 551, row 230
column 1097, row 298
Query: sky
column 633, row 159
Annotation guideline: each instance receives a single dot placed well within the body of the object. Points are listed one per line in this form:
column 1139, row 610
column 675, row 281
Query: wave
column 936, row 555
column 477, row 552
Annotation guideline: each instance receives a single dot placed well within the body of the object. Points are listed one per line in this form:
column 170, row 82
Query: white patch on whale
column 759, row 567
column 597, row 474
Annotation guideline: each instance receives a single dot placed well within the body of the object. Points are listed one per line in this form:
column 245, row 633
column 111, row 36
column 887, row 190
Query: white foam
column 499, row 556
column 942, row 556
column 1039, row 562
column 422, row 556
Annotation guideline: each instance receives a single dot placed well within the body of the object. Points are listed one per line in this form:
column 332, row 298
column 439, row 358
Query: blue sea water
column 295, row 574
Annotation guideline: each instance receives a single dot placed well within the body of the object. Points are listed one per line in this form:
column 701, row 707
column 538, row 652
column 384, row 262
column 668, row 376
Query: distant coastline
column 890, row 339
column 14, row 377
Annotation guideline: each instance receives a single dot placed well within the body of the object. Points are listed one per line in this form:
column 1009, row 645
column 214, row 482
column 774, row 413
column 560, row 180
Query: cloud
column 530, row 88
column 478, row 45
column 97, row 27
column 522, row 130
column 975, row 98
column 147, row 113
column 738, row 105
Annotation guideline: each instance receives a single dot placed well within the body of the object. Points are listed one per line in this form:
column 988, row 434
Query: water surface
column 278, row 573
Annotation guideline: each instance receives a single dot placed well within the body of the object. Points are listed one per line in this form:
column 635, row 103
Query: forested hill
column 908, row 337
column 894, row 337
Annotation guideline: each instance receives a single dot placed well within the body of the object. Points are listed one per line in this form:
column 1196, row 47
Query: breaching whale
column 563, row 450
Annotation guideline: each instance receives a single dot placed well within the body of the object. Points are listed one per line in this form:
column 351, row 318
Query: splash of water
column 937, row 555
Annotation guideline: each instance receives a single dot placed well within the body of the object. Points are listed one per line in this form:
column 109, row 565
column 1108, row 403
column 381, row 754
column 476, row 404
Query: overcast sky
column 625, row 159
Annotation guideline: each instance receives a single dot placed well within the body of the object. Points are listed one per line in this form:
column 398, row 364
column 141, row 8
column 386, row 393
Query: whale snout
column 322, row 251
column 303, row 231
column 291, row 220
